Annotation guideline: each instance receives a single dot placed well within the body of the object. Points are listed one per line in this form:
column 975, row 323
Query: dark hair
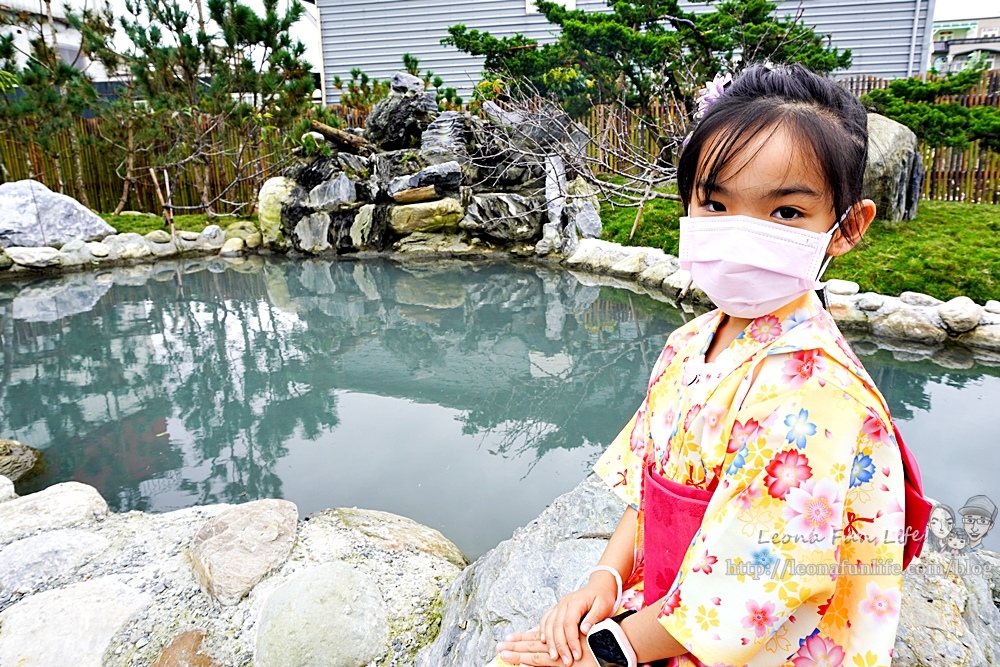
column 823, row 115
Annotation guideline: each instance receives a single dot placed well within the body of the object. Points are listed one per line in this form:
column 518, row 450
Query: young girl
column 761, row 407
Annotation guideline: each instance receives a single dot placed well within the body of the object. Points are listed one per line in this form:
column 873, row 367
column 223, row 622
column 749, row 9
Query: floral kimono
column 798, row 561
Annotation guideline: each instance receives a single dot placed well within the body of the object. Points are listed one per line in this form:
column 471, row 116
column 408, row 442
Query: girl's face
column 956, row 542
column 774, row 178
column 940, row 523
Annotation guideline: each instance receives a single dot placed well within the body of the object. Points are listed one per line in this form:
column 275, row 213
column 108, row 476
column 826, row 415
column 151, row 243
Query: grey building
column 888, row 38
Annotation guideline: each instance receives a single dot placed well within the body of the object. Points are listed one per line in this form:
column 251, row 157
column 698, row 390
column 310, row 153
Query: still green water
column 465, row 396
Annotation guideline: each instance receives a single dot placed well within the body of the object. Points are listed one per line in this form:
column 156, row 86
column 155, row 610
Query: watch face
column 606, row 649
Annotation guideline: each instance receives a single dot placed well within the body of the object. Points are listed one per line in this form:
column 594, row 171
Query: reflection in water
column 465, row 396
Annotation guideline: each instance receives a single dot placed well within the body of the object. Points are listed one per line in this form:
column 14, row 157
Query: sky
column 953, row 10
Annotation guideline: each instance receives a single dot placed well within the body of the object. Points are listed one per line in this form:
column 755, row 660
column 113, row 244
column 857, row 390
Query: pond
column 463, row 395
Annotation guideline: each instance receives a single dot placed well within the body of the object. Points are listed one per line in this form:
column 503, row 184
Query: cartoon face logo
column 978, row 515
column 942, row 521
column 957, row 540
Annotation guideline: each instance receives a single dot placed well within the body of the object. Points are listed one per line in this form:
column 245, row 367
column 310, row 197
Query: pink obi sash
column 673, row 514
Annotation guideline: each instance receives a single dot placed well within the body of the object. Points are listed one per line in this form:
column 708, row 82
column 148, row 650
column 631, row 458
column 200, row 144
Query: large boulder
column 274, row 195
column 35, row 216
column 431, row 216
column 505, row 217
column 895, row 170
column 400, row 119
column 448, row 138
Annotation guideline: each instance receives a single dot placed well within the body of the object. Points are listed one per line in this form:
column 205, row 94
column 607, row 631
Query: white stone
column 52, row 555
column 332, row 194
column 233, row 247
column 134, row 251
column 869, row 301
column 918, row 299
column 312, row 233
column 212, row 236
column 238, row 548
column 325, row 616
column 678, row 280
column 361, row 229
column 272, row 196
column 844, row 287
column 597, row 255
column 909, row 325
column 188, row 235
column 6, row 489
column 33, row 215
column 98, row 249
column 992, row 306
column 632, row 266
column 655, row 274
column 73, row 245
column 67, row 626
column 35, row 258
column 57, row 506
column 961, row 314
column 984, row 337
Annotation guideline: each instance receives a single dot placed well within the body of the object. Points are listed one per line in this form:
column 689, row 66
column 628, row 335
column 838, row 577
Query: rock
column 505, row 216
column 415, row 195
column 847, row 316
column 57, row 506
column 869, row 301
column 370, row 230
column 6, row 489
column 158, row 236
column 551, row 239
column 421, row 243
column 509, row 588
column 61, row 297
column 448, row 138
column 212, row 236
column 17, row 460
column 894, row 173
column 655, row 274
column 5, row 261
column 128, row 246
column 185, row 650
column 919, row 299
column 186, row 235
column 325, row 616
column 332, row 194
column 983, row 337
column 355, row 166
column 73, row 245
column 233, row 247
column 555, row 190
column 404, row 82
column 98, row 249
column 961, row 314
column 399, row 120
column 253, row 240
column 273, row 195
column 909, row 325
column 68, row 626
column 319, row 170
column 636, row 263
column 843, row 287
column 992, row 307
column 445, row 177
column 436, row 294
column 28, row 562
column 35, row 216
column 583, row 208
column 238, row 548
column 312, row 232
column 432, row 216
column 597, row 256
column 35, row 258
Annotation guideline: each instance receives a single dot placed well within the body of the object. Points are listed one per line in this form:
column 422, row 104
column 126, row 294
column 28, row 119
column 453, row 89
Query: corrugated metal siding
column 374, row 34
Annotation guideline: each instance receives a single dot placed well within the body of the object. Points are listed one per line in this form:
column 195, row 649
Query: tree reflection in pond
column 478, row 391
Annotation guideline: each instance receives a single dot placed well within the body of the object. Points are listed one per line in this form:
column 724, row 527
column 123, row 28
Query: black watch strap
column 622, row 616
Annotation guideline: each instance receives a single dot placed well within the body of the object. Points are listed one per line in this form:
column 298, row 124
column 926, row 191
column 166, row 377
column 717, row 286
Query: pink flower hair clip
column 711, row 92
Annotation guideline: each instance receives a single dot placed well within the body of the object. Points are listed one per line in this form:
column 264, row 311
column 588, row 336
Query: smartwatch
column 609, row 645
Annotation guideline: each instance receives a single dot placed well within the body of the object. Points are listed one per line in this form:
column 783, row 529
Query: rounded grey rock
column 961, row 314
column 325, row 616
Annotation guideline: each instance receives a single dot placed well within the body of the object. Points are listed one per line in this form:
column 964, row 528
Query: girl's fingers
column 572, row 630
column 529, row 636
column 529, row 658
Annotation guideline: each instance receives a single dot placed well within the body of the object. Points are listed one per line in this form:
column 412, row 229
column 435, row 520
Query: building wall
column 374, row 34
column 945, row 31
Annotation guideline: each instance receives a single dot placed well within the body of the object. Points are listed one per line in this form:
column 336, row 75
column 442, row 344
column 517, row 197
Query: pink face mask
column 751, row 267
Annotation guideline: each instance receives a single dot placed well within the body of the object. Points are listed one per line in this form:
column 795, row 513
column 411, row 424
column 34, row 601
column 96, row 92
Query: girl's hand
column 527, row 648
column 561, row 627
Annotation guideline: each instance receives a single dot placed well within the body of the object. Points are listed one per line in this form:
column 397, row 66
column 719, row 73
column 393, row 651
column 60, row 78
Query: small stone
column 906, row 324
column 57, row 506
column 918, row 299
column 633, row 265
column 189, row 236
column 98, row 249
column 238, row 548
column 35, row 258
column 597, row 255
column 185, row 650
column 961, row 314
column 233, row 247
column 253, row 240
column 52, row 554
column 844, row 287
column 213, row 235
column 869, row 302
column 158, row 236
column 847, row 316
column 73, row 245
column 5, row 261
column 992, row 307
column 16, row 459
column 654, row 275
column 984, row 337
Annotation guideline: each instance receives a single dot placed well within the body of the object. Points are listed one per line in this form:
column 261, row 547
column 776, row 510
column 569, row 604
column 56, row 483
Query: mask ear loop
column 821, row 284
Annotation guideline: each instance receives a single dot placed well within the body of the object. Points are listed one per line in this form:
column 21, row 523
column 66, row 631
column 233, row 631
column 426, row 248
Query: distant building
column 887, row 38
column 960, row 43
column 67, row 38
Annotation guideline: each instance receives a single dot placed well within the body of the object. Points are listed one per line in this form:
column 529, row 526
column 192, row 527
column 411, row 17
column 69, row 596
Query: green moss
column 143, row 224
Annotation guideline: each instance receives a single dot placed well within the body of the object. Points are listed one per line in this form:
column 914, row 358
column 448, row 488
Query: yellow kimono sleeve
column 621, row 465
column 763, row 563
